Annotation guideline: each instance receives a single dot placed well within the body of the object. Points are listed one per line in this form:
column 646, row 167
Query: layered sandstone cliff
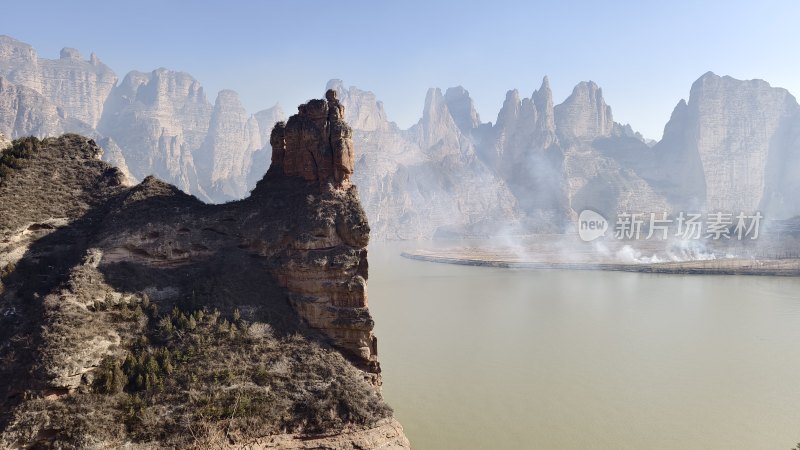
column 118, row 301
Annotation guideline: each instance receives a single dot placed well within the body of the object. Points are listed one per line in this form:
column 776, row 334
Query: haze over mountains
column 732, row 147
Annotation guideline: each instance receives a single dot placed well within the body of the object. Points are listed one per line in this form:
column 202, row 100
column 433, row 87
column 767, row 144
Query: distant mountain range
column 734, row 146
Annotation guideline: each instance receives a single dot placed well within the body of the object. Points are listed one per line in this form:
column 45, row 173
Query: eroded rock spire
column 315, row 144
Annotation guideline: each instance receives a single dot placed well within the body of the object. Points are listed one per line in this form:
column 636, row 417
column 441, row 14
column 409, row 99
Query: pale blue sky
column 644, row 55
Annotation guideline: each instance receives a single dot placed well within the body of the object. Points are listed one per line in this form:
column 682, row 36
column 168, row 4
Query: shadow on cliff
column 42, row 270
column 227, row 279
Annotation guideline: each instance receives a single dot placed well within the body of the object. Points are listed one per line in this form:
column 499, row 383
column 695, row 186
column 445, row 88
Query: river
column 485, row 358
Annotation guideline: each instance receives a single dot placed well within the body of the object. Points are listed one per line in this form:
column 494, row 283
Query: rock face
column 79, row 87
column 325, row 272
column 25, row 112
column 743, row 138
column 290, row 260
column 225, row 157
column 584, row 114
column 424, row 181
column 160, row 121
column 316, row 144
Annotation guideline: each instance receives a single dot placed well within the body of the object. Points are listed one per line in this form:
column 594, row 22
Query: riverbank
column 497, row 258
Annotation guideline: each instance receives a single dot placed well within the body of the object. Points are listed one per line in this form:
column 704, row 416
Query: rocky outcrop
column 316, row 144
column 95, row 272
column 325, row 271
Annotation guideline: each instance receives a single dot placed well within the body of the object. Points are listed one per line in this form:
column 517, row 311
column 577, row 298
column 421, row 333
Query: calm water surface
column 482, row 358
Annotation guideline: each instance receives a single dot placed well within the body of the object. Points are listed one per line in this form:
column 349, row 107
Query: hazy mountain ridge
column 161, row 121
column 730, row 147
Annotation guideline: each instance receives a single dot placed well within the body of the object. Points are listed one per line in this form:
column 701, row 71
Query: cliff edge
column 140, row 316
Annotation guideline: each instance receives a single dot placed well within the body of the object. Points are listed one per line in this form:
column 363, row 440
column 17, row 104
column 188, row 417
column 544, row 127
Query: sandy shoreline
column 494, row 258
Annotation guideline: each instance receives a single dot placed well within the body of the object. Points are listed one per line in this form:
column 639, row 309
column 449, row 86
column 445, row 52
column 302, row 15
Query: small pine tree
column 236, row 315
column 166, row 324
column 167, row 366
column 119, row 379
column 110, row 378
column 223, row 326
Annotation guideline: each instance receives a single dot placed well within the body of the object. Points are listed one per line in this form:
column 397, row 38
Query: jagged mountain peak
column 584, row 114
column 544, row 93
column 437, row 121
column 545, row 84
column 462, row 108
column 510, row 110
column 543, row 102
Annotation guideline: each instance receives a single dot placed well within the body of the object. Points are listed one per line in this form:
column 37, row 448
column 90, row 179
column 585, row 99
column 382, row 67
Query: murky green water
column 481, row 358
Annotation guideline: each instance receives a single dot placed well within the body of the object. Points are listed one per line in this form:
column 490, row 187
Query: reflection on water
column 482, row 358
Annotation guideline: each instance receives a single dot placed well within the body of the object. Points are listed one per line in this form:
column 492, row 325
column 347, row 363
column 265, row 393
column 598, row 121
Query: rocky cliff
column 247, row 321
column 79, row 87
column 740, row 138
